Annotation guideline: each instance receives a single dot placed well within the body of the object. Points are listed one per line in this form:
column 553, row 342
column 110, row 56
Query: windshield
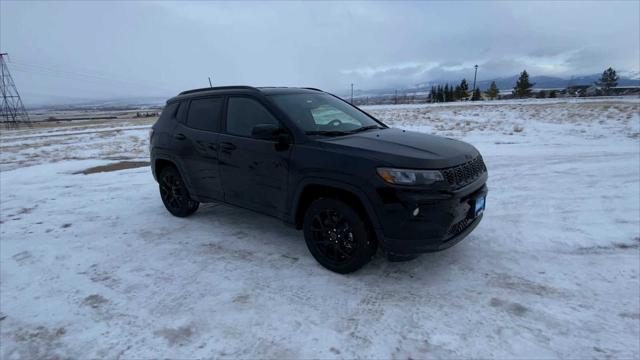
column 323, row 114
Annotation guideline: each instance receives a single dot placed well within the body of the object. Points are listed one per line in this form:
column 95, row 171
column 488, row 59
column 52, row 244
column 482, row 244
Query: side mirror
column 283, row 141
column 265, row 132
column 283, row 138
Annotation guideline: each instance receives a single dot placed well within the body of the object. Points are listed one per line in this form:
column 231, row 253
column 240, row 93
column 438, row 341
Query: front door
column 254, row 172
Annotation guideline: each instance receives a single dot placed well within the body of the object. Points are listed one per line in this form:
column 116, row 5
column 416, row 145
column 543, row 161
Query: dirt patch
column 178, row 336
column 511, row 307
column 635, row 244
column 629, row 315
column 21, row 256
column 38, row 343
column 509, row 282
column 95, row 301
column 292, row 258
column 241, row 299
column 121, row 165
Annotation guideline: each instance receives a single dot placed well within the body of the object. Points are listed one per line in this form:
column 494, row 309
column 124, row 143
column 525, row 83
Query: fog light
column 416, row 211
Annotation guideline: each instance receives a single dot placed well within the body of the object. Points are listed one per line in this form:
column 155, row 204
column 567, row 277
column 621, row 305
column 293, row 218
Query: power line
column 93, row 72
column 73, row 75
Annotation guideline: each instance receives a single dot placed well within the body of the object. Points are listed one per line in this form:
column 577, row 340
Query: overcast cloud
column 66, row 50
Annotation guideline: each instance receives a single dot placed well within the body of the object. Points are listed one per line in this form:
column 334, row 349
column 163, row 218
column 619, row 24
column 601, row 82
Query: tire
column 337, row 236
column 174, row 193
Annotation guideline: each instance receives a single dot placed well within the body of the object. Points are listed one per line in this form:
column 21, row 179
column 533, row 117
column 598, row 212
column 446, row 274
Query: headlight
column 410, row 177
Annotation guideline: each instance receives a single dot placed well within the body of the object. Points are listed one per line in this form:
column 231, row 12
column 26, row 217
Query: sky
column 64, row 51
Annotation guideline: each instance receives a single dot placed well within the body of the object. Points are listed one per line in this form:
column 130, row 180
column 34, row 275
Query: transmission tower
column 12, row 110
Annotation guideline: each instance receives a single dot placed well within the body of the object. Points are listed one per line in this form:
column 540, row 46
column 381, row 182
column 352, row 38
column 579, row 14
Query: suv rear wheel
column 337, row 236
column 174, row 193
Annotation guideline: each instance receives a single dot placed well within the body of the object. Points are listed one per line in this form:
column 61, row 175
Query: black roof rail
column 310, row 88
column 239, row 87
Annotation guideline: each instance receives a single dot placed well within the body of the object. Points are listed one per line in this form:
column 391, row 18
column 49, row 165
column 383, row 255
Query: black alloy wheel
column 174, row 193
column 333, row 236
column 337, row 235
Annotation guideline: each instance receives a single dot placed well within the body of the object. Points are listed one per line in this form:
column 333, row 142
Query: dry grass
column 121, row 165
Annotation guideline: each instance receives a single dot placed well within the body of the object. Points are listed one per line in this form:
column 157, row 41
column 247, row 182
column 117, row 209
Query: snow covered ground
column 94, row 266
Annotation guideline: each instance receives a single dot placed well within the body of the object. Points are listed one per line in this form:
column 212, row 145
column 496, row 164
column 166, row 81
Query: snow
column 94, row 266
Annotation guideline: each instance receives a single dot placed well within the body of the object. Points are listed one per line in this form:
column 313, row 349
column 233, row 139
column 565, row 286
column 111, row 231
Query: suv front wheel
column 174, row 193
column 337, row 236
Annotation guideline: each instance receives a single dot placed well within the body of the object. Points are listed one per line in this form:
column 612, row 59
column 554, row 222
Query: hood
column 409, row 149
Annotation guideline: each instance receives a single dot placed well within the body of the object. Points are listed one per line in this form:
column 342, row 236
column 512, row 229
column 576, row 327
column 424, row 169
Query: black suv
column 322, row 165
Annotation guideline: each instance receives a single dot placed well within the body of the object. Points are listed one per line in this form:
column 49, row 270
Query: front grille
column 459, row 227
column 461, row 175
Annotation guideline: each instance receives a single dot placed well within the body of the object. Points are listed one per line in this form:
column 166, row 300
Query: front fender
column 341, row 185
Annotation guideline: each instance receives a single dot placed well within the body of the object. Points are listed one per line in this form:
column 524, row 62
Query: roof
column 273, row 90
column 242, row 89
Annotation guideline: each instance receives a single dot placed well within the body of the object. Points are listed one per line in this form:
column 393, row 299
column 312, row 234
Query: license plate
column 479, row 205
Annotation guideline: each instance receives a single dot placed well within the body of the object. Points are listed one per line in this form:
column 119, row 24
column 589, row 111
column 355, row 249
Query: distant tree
column 541, row 94
column 477, row 95
column 463, row 91
column 446, row 93
column 430, row 96
column 608, row 80
column 492, row 92
column 452, row 94
column 553, row 94
column 523, row 86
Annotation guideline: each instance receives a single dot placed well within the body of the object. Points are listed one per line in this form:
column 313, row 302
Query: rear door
column 254, row 171
column 196, row 139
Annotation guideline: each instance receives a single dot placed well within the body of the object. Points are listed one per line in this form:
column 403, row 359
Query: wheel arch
column 312, row 189
column 160, row 164
column 160, row 161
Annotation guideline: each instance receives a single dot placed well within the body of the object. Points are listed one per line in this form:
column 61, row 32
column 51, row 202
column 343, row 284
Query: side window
column 169, row 112
column 204, row 114
column 245, row 113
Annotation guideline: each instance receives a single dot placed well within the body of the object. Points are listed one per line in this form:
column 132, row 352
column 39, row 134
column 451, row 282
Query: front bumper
column 444, row 219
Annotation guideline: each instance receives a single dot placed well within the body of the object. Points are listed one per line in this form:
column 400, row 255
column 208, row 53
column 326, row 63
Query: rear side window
column 245, row 113
column 204, row 114
column 169, row 112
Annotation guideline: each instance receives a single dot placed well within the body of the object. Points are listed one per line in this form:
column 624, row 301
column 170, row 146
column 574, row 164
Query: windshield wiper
column 341, row 133
column 364, row 128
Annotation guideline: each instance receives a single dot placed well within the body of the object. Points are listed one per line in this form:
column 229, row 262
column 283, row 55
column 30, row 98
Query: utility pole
column 474, row 77
column 351, row 93
column 12, row 111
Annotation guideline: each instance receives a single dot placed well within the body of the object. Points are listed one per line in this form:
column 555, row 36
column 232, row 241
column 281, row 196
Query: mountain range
column 503, row 83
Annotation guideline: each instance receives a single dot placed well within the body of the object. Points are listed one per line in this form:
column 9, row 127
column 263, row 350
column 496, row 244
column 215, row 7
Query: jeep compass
column 320, row 164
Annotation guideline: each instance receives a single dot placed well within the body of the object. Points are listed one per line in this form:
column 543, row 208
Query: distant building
column 593, row 90
column 576, row 90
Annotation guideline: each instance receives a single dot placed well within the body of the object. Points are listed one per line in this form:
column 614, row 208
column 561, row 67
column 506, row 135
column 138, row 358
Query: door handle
column 179, row 136
column 227, row 146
